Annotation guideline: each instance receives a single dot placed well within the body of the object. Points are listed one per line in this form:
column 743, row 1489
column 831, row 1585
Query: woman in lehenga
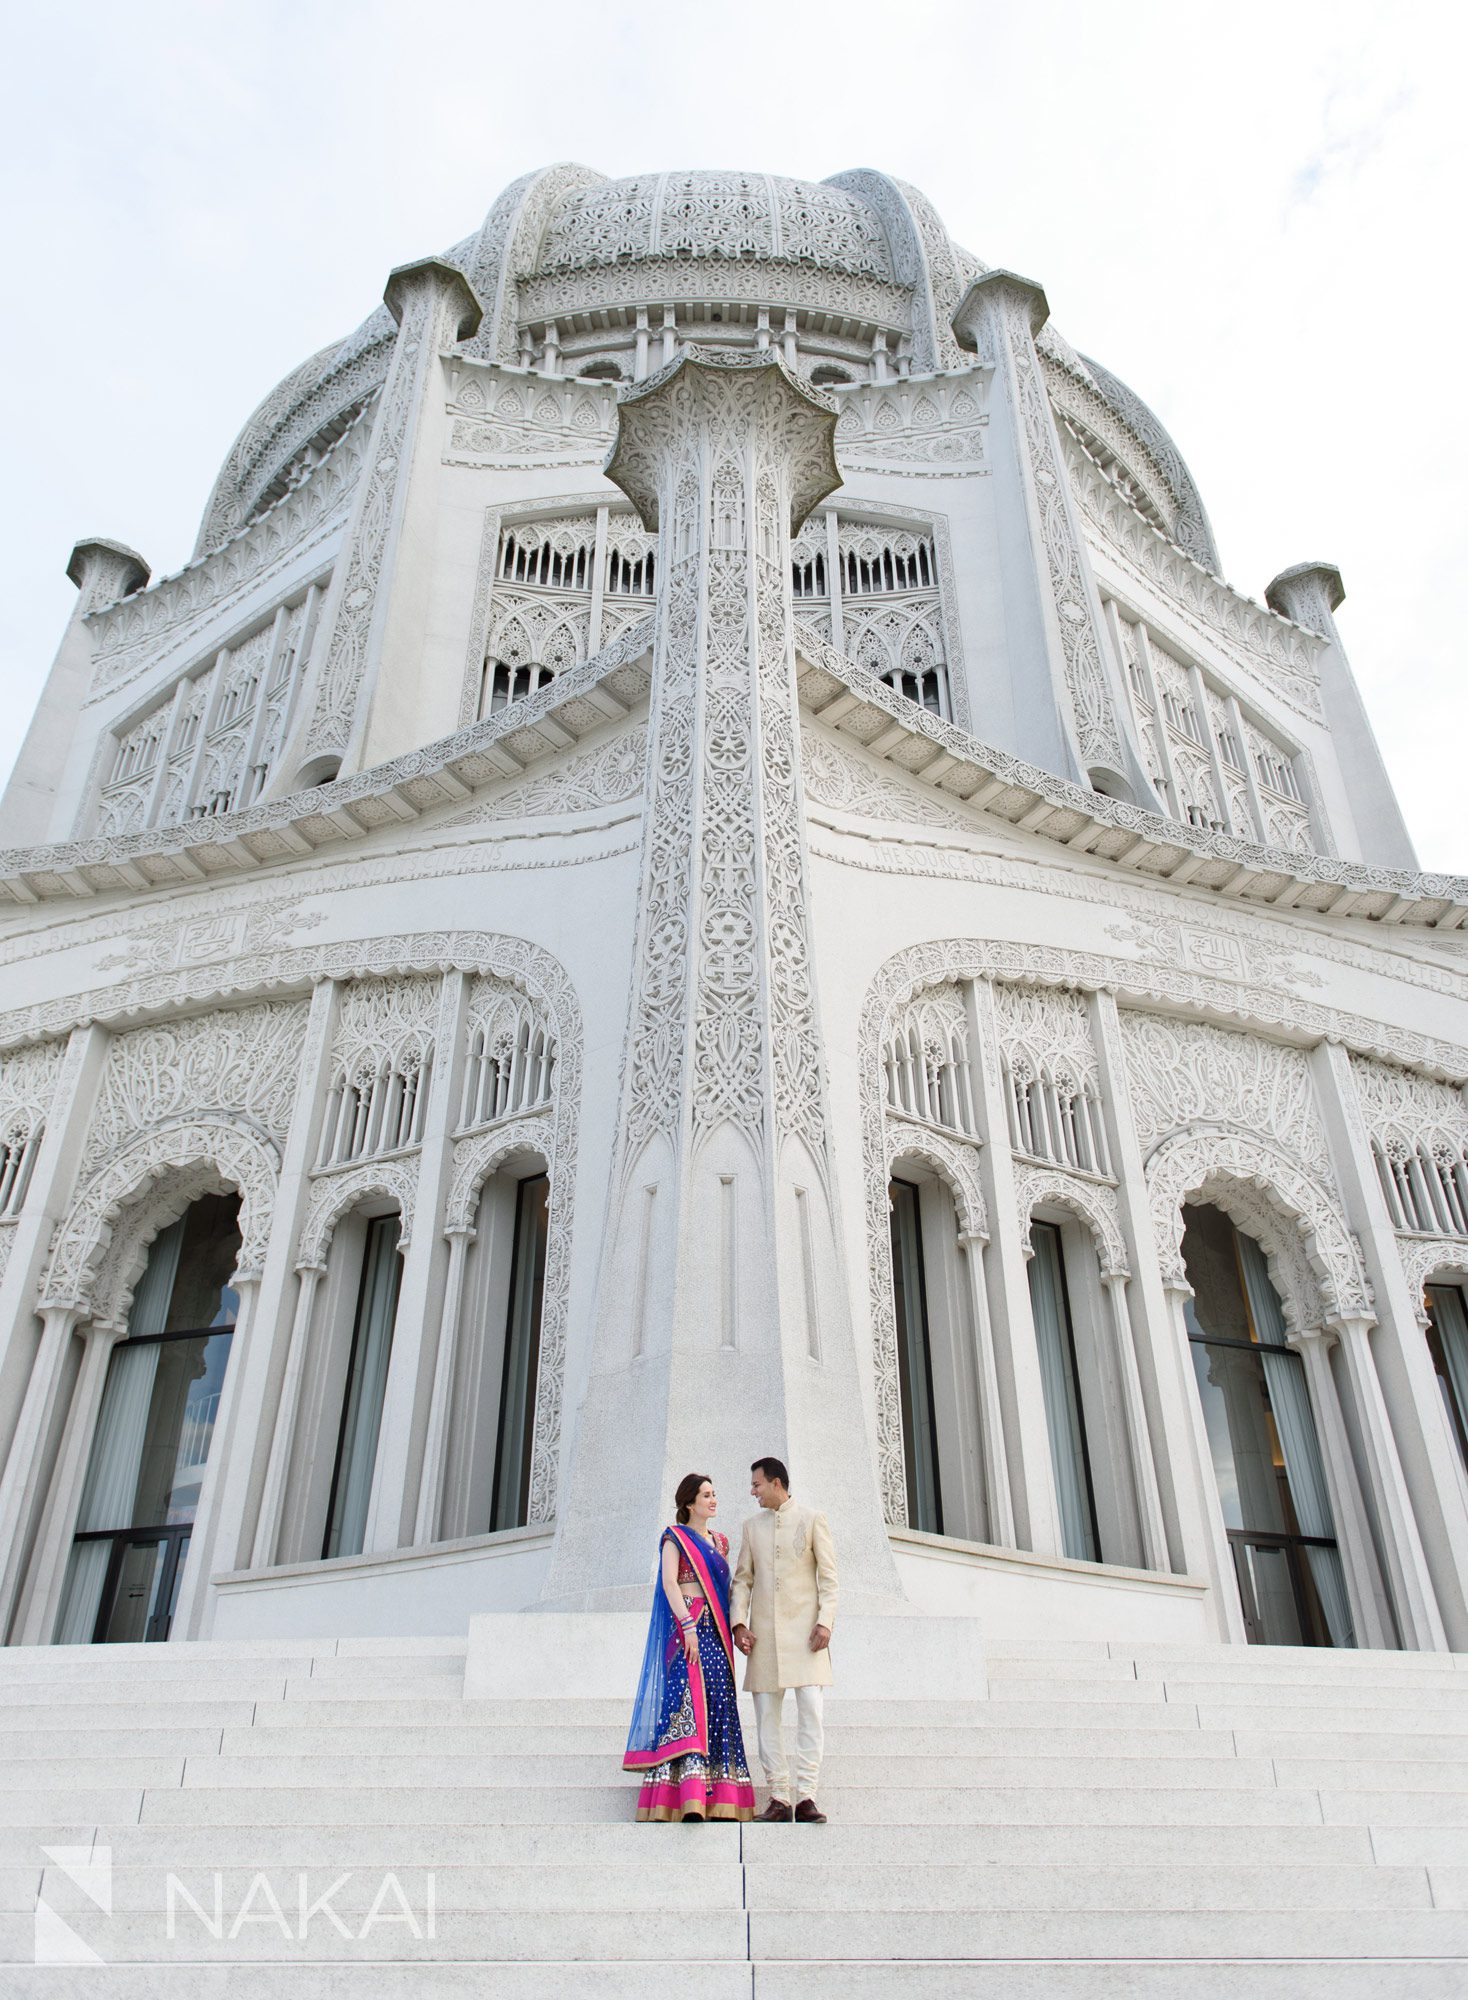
column 685, row 1738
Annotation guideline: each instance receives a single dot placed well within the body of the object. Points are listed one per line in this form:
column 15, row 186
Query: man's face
column 768, row 1492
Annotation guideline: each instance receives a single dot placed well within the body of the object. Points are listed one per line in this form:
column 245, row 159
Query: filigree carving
column 139, row 633
column 482, row 1154
column 610, row 775
column 1430, row 1261
column 337, row 1194
column 211, row 933
column 243, row 1062
column 1271, row 653
column 1315, row 1261
column 836, row 775
column 954, row 1161
column 1418, row 1131
column 1095, row 1207
column 234, row 1155
column 1182, row 1071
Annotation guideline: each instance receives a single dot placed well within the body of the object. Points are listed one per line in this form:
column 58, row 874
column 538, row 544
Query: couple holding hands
column 777, row 1609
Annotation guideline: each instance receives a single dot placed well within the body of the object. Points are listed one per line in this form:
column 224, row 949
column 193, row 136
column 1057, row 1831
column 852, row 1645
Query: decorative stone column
column 378, row 605
column 407, row 1399
column 41, row 1602
column 1228, row 1610
column 259, row 1387
column 33, row 1370
column 1085, row 730
column 1183, row 1478
column 1310, row 593
column 1353, row 1531
column 999, row 1499
column 1411, row 1461
column 1150, row 1524
column 705, row 1353
column 1035, row 1514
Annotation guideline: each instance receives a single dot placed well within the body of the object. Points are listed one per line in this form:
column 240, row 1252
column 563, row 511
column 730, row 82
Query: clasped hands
column 820, row 1638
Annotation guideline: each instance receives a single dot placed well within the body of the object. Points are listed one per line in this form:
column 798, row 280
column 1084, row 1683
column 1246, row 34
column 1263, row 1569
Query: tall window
column 522, row 1356
column 1447, row 1343
column 1080, row 1536
column 914, row 1361
column 1261, row 1432
column 356, row 1455
column 155, row 1425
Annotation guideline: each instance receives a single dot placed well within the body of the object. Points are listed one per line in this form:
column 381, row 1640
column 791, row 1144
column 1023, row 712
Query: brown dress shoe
column 809, row 1813
column 775, row 1813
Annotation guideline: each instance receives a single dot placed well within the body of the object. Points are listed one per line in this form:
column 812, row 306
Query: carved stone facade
column 703, row 845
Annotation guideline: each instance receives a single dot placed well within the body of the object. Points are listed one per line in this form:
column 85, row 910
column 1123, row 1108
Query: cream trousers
column 810, row 1739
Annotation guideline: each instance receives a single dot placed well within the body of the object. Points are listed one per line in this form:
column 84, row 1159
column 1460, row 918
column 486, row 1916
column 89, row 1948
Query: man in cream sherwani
column 782, row 1607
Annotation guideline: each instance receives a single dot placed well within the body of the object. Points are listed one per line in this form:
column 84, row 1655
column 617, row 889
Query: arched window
column 365, row 1391
column 497, row 1370
column 154, row 1429
column 937, row 1359
column 1447, row 1343
column 1065, row 1403
column 1261, row 1434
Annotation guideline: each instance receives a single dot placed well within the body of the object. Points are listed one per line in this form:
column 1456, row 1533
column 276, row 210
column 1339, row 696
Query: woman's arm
column 677, row 1600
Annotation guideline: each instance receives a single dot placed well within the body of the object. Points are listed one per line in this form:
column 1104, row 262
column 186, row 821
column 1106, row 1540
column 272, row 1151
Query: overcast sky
column 1253, row 214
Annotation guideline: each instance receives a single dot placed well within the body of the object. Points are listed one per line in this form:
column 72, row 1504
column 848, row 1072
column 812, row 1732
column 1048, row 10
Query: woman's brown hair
column 687, row 1493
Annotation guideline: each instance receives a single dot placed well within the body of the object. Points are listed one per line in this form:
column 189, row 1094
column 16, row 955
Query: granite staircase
column 312, row 1821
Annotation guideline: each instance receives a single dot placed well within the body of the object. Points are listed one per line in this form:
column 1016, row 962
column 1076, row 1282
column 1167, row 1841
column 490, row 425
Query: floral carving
column 1181, row 1071
column 243, row 1062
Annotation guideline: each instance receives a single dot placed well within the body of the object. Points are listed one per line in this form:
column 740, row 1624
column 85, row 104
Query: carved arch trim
column 336, row 1195
column 475, row 1159
column 955, row 1164
column 1093, row 1207
column 95, row 1263
column 1436, row 1260
column 1315, row 1262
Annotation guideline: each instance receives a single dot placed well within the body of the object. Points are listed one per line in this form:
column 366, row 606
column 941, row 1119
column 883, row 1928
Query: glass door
column 914, row 1361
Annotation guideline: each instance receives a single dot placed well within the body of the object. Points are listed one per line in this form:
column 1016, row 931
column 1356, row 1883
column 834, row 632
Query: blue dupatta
column 670, row 1709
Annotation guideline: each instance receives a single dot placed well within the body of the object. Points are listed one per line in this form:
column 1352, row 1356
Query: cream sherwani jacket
column 784, row 1584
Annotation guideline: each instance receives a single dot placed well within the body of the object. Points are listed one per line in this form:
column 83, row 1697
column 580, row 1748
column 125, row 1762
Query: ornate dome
column 578, row 274
column 731, row 215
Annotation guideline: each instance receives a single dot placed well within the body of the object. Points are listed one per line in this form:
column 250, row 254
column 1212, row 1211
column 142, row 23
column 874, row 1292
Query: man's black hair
column 773, row 1468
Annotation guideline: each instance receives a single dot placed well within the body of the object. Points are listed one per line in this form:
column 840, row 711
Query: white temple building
column 702, row 862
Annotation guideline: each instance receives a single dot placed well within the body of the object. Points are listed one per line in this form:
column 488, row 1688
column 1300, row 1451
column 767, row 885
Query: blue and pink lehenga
column 685, row 1737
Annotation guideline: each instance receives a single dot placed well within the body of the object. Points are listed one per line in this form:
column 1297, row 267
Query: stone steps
column 1162, row 1822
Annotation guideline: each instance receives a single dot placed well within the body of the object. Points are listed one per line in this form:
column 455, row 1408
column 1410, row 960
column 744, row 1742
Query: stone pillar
column 1353, row 1531
column 393, row 1513
column 379, row 602
column 1184, row 1477
column 1414, row 1601
column 283, row 1435
column 1080, row 723
column 36, row 1341
column 1218, row 1563
column 102, row 571
column 440, row 1410
column 41, row 1601
column 1310, row 594
column 257, row 1430
column 998, row 1497
column 1150, row 1524
column 704, row 1356
column 1017, row 1357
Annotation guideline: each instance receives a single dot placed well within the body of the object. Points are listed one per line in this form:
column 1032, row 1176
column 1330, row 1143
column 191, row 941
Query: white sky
column 1252, row 214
